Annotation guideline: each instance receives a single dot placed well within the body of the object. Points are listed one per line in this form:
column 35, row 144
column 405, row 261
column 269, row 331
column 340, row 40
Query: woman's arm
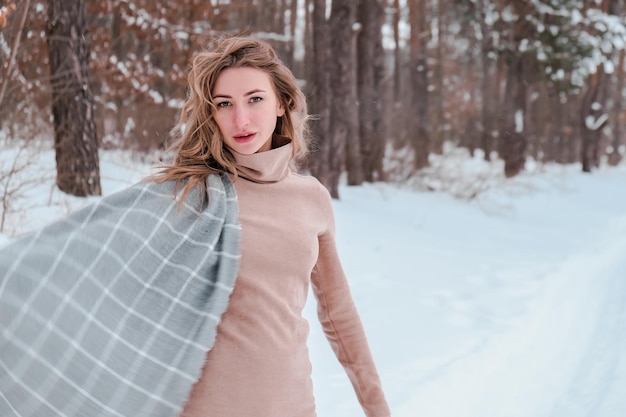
column 342, row 325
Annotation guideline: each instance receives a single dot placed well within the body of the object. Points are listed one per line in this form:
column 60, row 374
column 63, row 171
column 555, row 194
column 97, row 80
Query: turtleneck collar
column 266, row 167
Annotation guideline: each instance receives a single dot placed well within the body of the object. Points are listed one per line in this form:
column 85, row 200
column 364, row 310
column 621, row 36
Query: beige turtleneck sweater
column 259, row 365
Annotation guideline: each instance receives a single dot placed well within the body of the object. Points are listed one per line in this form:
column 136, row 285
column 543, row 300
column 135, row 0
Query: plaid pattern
column 111, row 310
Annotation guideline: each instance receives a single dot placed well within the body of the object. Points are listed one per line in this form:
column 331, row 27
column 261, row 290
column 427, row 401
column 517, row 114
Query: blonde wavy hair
column 197, row 142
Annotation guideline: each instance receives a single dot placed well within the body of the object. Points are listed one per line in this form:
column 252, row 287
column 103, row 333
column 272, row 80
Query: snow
column 517, row 310
column 519, row 121
column 511, row 304
column 593, row 123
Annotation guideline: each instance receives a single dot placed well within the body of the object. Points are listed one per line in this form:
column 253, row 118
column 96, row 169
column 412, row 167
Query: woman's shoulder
column 311, row 184
column 318, row 200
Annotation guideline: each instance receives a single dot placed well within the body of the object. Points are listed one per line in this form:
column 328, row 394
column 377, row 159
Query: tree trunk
column 371, row 73
column 321, row 160
column 396, row 112
column 419, row 82
column 344, row 126
column 552, row 151
column 615, row 156
column 486, row 86
column 571, row 144
column 75, row 137
column 513, row 139
column 593, row 118
column 439, row 123
column 290, row 58
column 593, row 112
column 397, row 59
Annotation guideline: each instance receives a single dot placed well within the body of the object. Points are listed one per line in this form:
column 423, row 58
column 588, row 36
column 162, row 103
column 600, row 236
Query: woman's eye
column 256, row 99
column 223, row 104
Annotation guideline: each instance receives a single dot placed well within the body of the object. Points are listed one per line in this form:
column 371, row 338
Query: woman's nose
column 241, row 117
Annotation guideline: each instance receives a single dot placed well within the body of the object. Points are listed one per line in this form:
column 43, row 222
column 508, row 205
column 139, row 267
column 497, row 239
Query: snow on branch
column 143, row 19
column 593, row 123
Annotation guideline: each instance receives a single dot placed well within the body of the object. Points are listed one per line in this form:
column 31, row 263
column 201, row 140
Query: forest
column 510, row 80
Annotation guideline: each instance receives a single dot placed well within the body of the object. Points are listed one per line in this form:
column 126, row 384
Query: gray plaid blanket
column 111, row 310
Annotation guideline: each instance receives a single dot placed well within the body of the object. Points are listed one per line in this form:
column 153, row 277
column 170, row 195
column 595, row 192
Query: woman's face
column 247, row 108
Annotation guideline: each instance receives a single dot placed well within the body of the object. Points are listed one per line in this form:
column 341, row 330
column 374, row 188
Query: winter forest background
column 393, row 83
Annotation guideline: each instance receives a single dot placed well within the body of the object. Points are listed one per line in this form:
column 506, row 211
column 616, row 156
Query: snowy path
column 557, row 360
column 597, row 387
column 470, row 314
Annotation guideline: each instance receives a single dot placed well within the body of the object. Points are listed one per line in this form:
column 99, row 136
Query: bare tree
column 337, row 127
column 371, row 69
column 419, row 82
column 75, row 138
column 16, row 179
column 488, row 87
column 395, row 114
column 321, row 163
column 397, row 56
column 439, row 122
column 513, row 129
column 344, row 108
column 552, row 149
column 513, row 118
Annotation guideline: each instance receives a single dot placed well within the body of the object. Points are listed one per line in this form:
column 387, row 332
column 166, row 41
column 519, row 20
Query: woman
column 246, row 116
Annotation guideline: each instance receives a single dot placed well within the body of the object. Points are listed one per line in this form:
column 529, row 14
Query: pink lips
column 244, row 137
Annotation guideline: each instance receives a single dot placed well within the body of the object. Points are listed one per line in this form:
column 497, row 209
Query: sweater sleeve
column 342, row 324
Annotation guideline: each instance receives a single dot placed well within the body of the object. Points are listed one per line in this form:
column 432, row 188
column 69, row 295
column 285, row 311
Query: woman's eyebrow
column 256, row 90
column 249, row 93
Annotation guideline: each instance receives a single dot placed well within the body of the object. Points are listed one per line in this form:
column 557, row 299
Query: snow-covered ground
column 511, row 304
